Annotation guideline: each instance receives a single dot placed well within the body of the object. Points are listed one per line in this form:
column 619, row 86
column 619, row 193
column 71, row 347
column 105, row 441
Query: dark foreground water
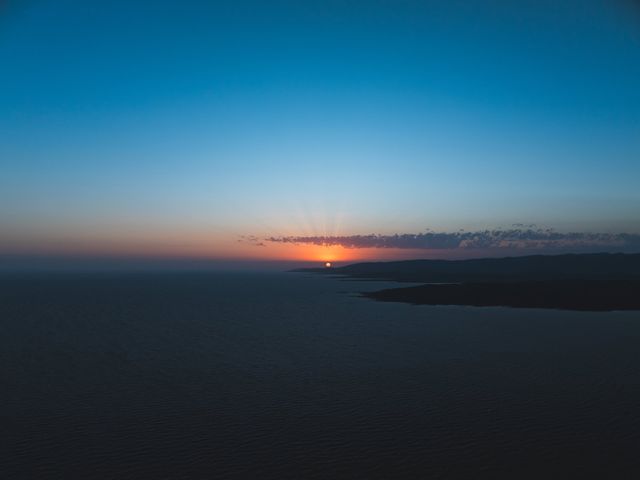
column 290, row 376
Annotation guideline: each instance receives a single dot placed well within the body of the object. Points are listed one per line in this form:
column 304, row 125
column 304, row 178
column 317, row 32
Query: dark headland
column 588, row 282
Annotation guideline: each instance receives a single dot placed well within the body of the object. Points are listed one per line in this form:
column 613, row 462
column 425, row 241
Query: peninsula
column 587, row 282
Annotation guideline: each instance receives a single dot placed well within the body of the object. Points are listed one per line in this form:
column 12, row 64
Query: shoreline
column 593, row 296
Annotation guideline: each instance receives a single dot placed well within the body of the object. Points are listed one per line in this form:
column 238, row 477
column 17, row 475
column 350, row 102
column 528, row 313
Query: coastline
column 582, row 282
column 594, row 296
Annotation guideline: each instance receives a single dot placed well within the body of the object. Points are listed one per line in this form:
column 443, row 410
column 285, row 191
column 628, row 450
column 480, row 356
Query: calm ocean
column 283, row 375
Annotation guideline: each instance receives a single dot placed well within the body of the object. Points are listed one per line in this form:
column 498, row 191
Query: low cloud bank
column 509, row 239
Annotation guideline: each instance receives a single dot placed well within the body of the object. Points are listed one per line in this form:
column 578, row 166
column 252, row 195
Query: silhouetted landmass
column 596, row 282
column 558, row 294
column 602, row 266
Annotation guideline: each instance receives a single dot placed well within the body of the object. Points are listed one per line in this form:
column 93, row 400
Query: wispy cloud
column 521, row 237
column 251, row 240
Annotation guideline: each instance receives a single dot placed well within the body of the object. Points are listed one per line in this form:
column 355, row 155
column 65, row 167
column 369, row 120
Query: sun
column 327, row 265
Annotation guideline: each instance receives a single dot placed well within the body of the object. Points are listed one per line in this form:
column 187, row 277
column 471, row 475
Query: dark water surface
column 289, row 376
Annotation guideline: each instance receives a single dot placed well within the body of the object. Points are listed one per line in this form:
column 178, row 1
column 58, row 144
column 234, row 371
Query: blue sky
column 176, row 127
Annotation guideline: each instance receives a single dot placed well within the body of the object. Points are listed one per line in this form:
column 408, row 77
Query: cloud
column 522, row 237
column 251, row 240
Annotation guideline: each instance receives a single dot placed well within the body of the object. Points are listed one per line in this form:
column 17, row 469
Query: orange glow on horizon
column 200, row 245
column 307, row 253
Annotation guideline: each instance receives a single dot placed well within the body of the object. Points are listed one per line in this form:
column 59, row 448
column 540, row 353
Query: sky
column 318, row 130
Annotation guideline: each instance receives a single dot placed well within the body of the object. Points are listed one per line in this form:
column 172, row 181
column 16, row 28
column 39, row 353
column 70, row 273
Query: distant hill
column 598, row 266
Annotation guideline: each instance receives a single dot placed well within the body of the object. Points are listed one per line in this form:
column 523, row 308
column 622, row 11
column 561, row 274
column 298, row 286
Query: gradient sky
column 200, row 128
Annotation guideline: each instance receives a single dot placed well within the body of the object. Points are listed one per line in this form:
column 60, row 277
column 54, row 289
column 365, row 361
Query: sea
column 261, row 375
